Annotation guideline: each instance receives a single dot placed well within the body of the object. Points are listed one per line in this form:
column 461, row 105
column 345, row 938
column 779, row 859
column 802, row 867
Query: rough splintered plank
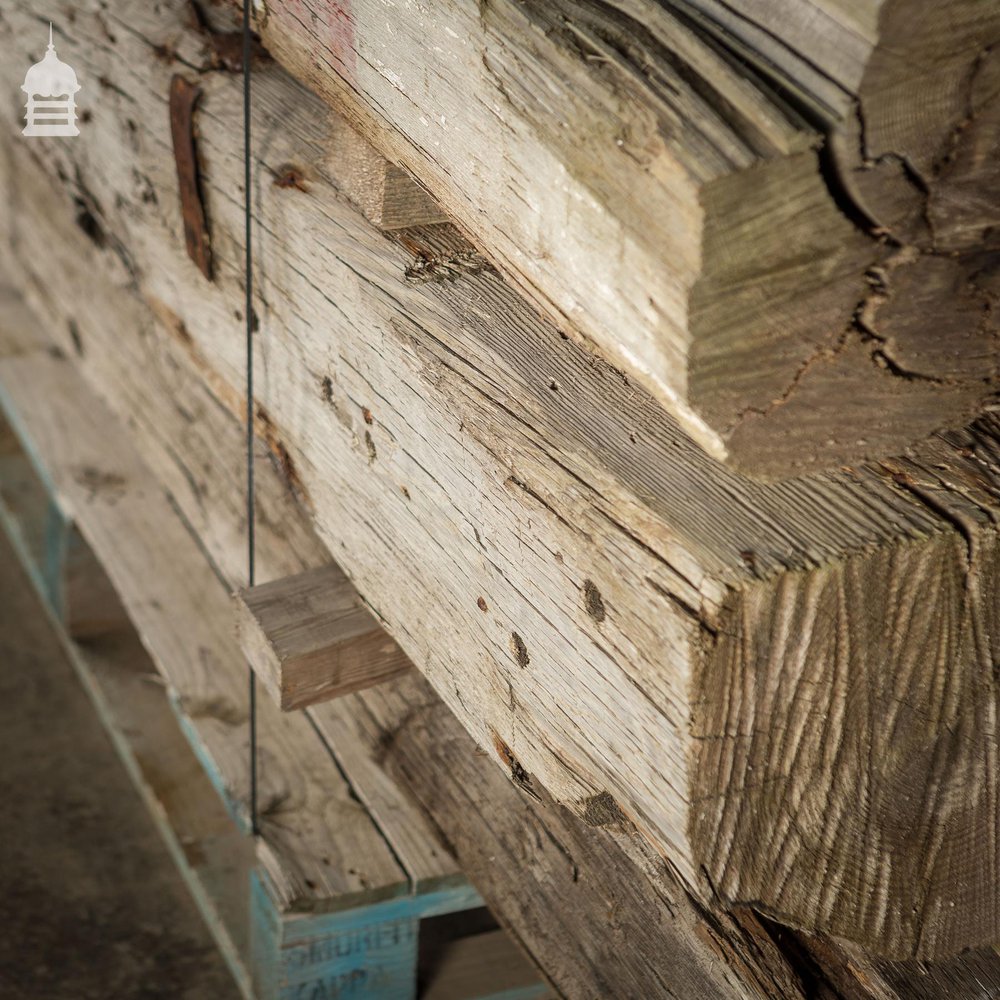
column 310, row 637
column 318, row 845
column 766, row 212
column 555, row 889
column 576, row 572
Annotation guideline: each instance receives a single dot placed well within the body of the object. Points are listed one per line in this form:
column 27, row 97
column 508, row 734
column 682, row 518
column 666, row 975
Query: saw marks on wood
column 573, row 565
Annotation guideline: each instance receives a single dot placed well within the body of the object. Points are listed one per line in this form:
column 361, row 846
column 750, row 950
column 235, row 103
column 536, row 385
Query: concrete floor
column 91, row 906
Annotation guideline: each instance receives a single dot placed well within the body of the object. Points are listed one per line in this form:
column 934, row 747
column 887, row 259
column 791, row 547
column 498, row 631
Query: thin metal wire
column 251, row 513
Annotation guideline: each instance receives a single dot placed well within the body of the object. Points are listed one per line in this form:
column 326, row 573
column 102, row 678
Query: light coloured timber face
column 773, row 216
column 453, row 449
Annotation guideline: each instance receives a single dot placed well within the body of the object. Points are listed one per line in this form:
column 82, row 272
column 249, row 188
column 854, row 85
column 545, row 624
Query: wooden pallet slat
column 212, row 855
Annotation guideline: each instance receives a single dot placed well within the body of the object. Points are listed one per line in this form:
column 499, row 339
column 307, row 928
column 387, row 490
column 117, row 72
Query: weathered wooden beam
column 310, row 637
column 577, row 574
column 764, row 212
column 555, row 889
column 372, row 946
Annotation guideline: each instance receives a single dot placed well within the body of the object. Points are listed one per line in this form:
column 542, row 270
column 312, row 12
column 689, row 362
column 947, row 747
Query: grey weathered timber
column 309, row 637
column 779, row 216
column 612, row 615
column 552, row 877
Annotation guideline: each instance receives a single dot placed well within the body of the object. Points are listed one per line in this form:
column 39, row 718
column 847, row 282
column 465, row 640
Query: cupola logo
column 51, row 87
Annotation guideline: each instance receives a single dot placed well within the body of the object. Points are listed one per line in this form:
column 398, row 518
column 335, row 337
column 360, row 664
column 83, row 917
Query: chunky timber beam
column 764, row 212
column 310, row 637
column 619, row 620
column 554, row 890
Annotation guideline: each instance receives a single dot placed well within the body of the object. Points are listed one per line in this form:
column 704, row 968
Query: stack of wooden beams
column 671, row 463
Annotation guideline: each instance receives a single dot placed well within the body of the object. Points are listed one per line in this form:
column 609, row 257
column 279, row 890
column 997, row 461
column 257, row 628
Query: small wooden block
column 386, row 194
column 310, row 638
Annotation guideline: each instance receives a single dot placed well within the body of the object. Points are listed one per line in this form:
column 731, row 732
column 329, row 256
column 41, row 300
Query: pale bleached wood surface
column 611, row 556
column 764, row 212
column 554, row 889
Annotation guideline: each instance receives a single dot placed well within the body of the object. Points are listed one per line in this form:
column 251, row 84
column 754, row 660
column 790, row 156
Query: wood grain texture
column 309, row 637
column 439, row 432
column 162, row 577
column 844, row 765
column 556, row 887
column 712, row 194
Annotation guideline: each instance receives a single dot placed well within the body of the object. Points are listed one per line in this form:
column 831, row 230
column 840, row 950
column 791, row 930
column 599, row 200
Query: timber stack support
column 628, row 476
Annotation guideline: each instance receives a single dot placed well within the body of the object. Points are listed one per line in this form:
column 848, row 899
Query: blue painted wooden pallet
column 355, row 947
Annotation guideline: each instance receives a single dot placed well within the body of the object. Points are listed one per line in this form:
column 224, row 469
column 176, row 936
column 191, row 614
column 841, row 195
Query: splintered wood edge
column 310, row 638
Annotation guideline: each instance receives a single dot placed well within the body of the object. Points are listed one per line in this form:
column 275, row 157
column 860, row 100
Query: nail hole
column 519, row 649
column 593, row 601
